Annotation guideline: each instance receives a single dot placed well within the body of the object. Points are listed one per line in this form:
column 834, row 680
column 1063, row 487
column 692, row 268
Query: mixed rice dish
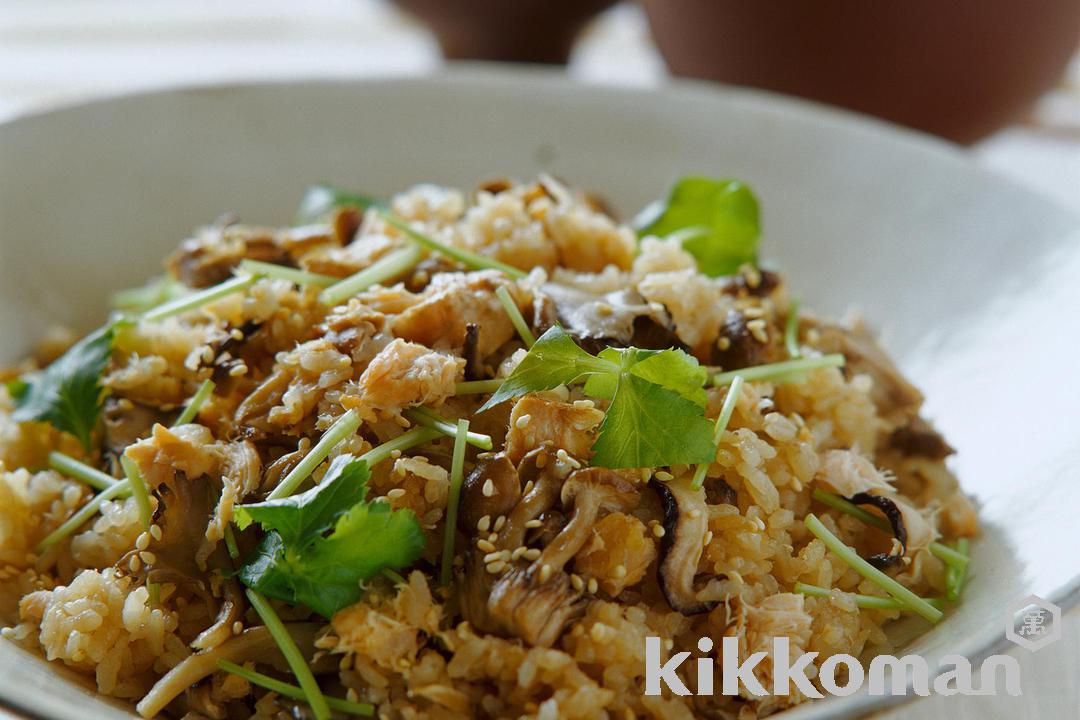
column 456, row 455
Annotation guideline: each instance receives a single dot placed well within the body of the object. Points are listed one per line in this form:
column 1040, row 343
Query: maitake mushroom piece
column 620, row 319
column 537, row 602
column 686, row 521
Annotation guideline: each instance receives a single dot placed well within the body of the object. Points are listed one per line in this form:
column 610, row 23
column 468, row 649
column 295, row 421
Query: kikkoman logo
column 838, row 675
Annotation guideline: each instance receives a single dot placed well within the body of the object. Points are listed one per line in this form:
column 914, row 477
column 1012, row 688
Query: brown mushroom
column 492, row 489
column 537, row 602
column 736, row 346
column 538, row 467
column 252, row 644
column 686, row 520
column 619, row 319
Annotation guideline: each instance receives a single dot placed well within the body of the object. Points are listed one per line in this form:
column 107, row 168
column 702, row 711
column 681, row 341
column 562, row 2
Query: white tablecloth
column 59, row 51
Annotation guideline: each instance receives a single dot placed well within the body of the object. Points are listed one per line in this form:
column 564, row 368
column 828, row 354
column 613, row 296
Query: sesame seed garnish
column 518, row 552
column 496, row 567
column 237, row 627
column 134, row 564
column 492, row 557
column 577, row 583
column 396, row 493
column 619, row 571
column 143, row 541
column 534, row 523
column 724, row 342
column 492, row 537
column 584, row 404
column 485, row 545
column 531, row 554
column 664, row 476
column 545, row 572
column 522, row 422
column 566, row 458
column 147, row 557
column 484, row 523
column 238, row 370
column 757, row 329
column 593, row 586
column 489, row 488
column 658, row 530
column 395, row 454
column 500, row 523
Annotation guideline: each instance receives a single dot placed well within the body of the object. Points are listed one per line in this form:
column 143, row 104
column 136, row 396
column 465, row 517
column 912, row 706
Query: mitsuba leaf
column 68, row 394
column 554, row 360
column 319, row 201
column 649, row 425
column 716, row 221
column 323, row 544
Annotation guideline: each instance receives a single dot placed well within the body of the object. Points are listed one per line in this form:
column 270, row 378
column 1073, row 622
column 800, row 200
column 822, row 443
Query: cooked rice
column 286, row 368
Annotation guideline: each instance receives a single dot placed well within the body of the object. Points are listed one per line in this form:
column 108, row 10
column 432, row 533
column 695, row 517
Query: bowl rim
column 506, row 75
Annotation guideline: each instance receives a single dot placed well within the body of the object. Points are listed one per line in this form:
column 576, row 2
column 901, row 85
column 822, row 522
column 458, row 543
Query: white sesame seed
column 492, row 557
column 396, row 493
column 545, row 572
column 584, row 404
column 619, row 571
column 143, row 541
column 531, row 554
column 395, row 454
column 593, row 586
column 134, row 564
column 484, row 524
column 664, row 476
column 534, row 523
column 496, row 567
column 147, row 557
column 658, row 530
column 577, row 583
column 500, row 523
column 518, row 552
column 489, row 488
column 522, row 422
column 485, row 545
column 237, row 627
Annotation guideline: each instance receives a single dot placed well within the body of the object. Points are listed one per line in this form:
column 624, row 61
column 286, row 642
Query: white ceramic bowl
column 972, row 279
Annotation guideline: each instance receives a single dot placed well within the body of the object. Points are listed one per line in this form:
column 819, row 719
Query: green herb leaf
column 321, row 200
column 554, row 360
column 299, row 518
column 648, row 425
column 716, row 221
column 322, row 544
column 657, row 412
column 68, row 394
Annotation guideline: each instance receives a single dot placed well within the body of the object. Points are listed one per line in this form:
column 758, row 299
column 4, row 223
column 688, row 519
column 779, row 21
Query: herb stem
column 84, row 513
column 230, row 542
column 309, row 687
column 394, row 577
column 867, row 602
column 791, row 330
column 457, row 473
column 291, row 691
column 342, row 428
column 942, row 552
column 871, row 573
column 956, row 575
column 281, row 272
column 780, row 372
column 516, row 317
column 478, row 387
column 138, row 490
column 468, row 259
column 722, row 420
column 197, row 299
column 404, row 441
column 428, row 418
column 385, row 268
column 197, row 401
column 947, row 555
column 76, row 470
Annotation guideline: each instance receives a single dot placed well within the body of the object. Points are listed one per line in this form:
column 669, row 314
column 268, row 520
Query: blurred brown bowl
column 958, row 68
column 538, row 31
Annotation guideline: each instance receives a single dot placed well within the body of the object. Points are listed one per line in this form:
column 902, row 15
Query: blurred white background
column 54, row 52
